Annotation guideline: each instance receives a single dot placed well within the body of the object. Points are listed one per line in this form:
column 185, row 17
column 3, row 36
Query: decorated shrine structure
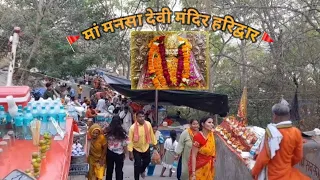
column 170, row 60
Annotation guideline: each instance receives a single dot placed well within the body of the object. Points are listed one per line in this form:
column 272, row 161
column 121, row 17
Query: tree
column 265, row 68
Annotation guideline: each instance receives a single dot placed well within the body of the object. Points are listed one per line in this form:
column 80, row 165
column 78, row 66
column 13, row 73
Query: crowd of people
column 196, row 145
column 59, row 91
column 195, row 149
column 131, row 134
column 109, row 104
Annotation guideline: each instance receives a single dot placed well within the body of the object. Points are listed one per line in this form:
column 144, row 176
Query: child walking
column 169, row 155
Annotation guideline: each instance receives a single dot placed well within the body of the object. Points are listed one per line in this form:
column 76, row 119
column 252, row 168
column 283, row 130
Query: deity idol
column 171, row 65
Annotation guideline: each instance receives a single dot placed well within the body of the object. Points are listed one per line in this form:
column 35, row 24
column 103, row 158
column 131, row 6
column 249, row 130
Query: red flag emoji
column 72, row 39
column 267, row 38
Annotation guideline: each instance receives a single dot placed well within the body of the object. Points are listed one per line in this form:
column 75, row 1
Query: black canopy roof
column 201, row 100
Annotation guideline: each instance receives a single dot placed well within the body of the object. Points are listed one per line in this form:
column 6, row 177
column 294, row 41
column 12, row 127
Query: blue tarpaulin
column 38, row 92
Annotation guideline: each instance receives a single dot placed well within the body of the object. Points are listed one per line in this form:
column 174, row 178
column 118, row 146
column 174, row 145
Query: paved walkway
column 128, row 173
column 128, row 165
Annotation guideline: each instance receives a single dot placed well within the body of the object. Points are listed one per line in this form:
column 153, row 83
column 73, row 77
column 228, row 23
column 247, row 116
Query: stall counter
column 56, row 164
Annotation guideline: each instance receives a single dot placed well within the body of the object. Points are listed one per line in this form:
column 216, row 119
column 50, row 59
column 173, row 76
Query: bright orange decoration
column 186, row 49
column 242, row 111
column 155, row 67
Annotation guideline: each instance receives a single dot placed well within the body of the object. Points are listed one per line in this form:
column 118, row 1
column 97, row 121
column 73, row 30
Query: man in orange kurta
column 280, row 167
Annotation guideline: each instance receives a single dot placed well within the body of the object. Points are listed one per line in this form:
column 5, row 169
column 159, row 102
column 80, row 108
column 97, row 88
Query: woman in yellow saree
column 203, row 152
column 97, row 152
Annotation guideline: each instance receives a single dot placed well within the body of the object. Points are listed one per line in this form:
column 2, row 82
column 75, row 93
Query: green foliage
column 57, row 59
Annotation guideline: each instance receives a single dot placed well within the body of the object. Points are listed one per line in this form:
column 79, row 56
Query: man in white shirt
column 115, row 99
column 101, row 105
column 111, row 108
column 126, row 118
column 85, row 104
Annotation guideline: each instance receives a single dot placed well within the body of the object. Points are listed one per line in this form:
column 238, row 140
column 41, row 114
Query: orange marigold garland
column 154, row 66
column 186, row 50
column 172, row 67
column 183, row 72
column 162, row 72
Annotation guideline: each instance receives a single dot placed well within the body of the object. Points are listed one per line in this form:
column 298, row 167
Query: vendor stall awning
column 111, row 79
column 201, row 100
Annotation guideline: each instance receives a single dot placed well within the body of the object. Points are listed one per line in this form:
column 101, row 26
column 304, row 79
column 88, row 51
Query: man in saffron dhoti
column 281, row 149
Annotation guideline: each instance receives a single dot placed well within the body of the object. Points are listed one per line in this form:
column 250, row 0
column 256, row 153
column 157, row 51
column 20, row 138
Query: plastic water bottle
column 56, row 111
column 174, row 166
column 26, row 125
column 32, row 100
column 62, row 118
column 29, row 106
column 72, row 112
column 56, row 107
column 41, row 101
column 25, row 111
column 49, row 100
column 35, row 112
column 20, row 108
column 52, row 115
column 38, row 105
column 19, row 125
column 3, row 122
column 58, row 100
column 47, row 105
column 254, row 148
column 10, row 122
column 44, row 120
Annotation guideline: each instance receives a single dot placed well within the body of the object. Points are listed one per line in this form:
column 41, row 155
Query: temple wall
column 230, row 167
column 228, row 164
column 310, row 164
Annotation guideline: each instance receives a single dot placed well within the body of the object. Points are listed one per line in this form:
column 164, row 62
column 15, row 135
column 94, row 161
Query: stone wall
column 228, row 165
column 310, row 164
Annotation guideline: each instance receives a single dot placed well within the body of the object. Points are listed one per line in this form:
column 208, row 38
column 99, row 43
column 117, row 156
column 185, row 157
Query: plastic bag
column 155, row 159
column 99, row 171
